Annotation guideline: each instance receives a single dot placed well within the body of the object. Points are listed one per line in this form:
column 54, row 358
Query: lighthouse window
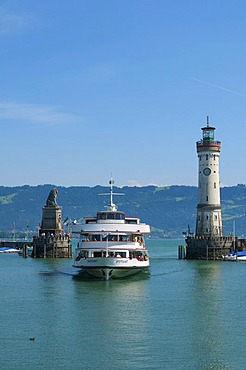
column 214, row 185
column 207, row 217
column 206, row 157
column 207, row 198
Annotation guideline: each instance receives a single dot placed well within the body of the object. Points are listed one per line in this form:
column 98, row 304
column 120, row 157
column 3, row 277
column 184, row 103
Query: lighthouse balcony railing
column 208, row 143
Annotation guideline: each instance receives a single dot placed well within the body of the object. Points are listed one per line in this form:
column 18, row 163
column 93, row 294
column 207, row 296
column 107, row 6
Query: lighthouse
column 208, row 220
column 208, row 241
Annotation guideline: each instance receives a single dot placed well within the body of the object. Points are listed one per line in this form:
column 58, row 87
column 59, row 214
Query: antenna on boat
column 112, row 206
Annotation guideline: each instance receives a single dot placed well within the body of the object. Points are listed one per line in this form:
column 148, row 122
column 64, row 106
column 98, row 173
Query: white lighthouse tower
column 208, row 221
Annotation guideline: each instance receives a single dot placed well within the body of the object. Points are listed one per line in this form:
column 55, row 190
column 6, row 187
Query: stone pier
column 52, row 246
column 212, row 248
column 51, row 241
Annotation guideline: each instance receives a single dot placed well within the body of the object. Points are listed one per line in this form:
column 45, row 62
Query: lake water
column 182, row 315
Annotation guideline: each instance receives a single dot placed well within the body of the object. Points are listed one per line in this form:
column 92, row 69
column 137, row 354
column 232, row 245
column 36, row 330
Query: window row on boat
column 112, row 216
column 112, row 238
column 139, row 255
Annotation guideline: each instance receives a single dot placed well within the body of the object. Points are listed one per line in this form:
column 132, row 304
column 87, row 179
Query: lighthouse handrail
column 208, row 143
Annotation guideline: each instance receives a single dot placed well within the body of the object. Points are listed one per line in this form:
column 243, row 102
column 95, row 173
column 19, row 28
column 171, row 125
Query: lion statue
column 51, row 200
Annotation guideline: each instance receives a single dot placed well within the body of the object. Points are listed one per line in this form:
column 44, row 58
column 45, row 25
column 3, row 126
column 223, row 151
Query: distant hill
column 169, row 210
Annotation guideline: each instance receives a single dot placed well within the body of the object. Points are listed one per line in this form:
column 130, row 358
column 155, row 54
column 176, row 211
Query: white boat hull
column 230, row 257
column 112, row 273
column 111, row 268
column 10, row 250
column 234, row 257
column 241, row 258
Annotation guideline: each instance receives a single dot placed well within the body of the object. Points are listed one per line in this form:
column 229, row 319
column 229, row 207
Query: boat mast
column 112, row 207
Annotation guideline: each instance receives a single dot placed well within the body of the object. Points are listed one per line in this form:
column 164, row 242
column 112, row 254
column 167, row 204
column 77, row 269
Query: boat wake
column 56, row 272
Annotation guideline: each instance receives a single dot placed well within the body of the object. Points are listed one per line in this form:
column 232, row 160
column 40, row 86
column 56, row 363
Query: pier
column 52, row 246
column 15, row 244
column 52, row 242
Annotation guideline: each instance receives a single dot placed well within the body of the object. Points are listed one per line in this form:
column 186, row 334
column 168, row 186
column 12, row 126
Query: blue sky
column 94, row 87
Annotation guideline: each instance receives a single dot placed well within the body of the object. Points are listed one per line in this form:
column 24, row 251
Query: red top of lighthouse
column 208, row 138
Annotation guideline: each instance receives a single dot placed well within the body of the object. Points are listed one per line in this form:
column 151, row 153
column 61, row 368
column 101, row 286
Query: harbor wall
column 212, row 248
column 59, row 246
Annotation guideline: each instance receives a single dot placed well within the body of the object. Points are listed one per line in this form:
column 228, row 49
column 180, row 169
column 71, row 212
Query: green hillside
column 169, row 210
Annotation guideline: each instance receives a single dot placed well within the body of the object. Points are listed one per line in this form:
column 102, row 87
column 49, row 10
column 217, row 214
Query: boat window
column 119, row 216
column 101, row 216
column 111, row 254
column 137, row 238
column 110, row 216
column 124, row 238
column 113, row 238
column 139, row 255
column 95, row 238
column 82, row 254
column 120, row 254
column 131, row 222
column 98, row 254
column 110, row 237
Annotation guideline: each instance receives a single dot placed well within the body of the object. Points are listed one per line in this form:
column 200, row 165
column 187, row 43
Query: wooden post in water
column 181, row 252
column 25, row 251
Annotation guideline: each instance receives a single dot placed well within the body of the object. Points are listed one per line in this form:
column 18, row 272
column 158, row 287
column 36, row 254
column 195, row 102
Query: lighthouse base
column 212, row 248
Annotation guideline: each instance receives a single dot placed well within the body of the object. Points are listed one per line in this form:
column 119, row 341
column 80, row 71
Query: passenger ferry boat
column 111, row 244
